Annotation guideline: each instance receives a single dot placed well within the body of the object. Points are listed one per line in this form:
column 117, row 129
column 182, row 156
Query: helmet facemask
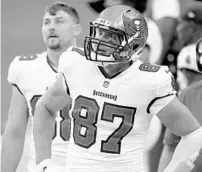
column 118, row 51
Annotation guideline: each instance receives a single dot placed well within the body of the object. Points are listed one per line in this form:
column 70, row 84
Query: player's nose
column 51, row 30
column 52, row 26
column 103, row 35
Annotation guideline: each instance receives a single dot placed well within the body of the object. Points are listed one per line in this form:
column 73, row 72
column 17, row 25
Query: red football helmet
column 118, row 33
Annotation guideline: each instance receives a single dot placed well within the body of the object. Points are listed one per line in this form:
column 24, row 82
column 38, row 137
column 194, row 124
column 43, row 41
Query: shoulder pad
column 13, row 70
column 28, row 58
column 147, row 67
column 18, row 67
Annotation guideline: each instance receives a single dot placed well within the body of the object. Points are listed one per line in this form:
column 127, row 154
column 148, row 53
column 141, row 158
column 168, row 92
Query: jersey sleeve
column 14, row 73
column 165, row 91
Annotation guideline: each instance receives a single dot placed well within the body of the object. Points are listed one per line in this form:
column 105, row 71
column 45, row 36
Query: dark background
column 21, row 22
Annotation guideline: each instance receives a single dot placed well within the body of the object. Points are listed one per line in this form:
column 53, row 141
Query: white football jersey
column 111, row 116
column 32, row 75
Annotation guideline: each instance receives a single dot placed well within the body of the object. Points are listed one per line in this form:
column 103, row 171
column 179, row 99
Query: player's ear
column 77, row 29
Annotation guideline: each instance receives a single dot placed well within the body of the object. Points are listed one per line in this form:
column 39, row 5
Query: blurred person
column 165, row 14
column 189, row 31
column 31, row 76
column 188, row 72
column 113, row 100
column 190, row 23
column 190, row 62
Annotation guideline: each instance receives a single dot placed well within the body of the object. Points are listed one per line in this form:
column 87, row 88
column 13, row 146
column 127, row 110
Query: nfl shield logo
column 106, row 84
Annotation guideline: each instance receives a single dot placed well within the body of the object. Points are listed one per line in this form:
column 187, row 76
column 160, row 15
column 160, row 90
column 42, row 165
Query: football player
column 31, row 76
column 113, row 100
column 189, row 32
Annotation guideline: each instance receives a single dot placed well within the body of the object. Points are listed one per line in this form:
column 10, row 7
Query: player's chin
column 54, row 46
column 105, row 52
column 53, row 41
